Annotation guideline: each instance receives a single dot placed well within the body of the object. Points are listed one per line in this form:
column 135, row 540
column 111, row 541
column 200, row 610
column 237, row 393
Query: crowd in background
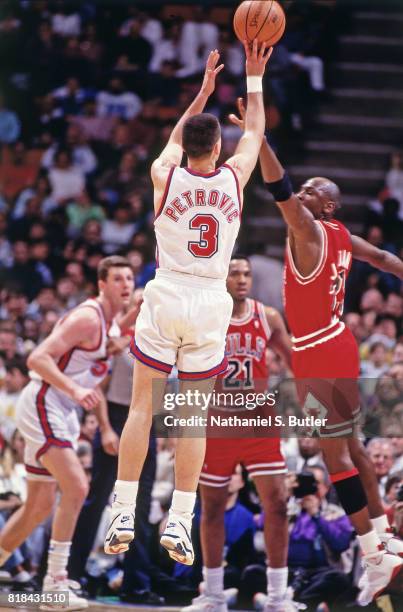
column 89, row 95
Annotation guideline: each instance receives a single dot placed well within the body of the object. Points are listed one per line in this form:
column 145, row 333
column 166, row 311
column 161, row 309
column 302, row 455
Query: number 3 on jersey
column 207, row 245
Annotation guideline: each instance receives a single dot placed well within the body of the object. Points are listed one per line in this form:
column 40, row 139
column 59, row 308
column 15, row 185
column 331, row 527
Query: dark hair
column 200, row 134
column 114, row 261
column 17, row 363
column 240, row 256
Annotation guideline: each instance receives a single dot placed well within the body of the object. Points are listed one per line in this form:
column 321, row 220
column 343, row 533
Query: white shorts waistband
column 189, row 280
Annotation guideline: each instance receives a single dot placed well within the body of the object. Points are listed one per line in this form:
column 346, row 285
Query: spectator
column 134, row 51
column 117, row 232
column 394, row 180
column 18, row 170
column 66, row 180
column 319, row 534
column 10, row 125
column 91, row 125
column 42, row 190
column 14, row 382
column 81, row 210
column 89, row 426
column 115, row 102
column 82, row 155
column 376, row 365
column 380, row 451
column 66, row 22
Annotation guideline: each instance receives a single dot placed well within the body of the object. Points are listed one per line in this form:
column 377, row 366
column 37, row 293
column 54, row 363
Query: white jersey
column 198, row 222
column 85, row 367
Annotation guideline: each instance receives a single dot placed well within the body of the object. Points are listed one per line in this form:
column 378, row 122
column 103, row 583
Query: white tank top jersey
column 86, row 367
column 198, row 221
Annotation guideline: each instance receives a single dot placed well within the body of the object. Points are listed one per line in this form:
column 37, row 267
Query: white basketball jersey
column 86, row 367
column 198, row 222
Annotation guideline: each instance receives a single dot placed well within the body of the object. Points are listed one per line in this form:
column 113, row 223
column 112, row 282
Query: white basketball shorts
column 183, row 321
column 44, row 422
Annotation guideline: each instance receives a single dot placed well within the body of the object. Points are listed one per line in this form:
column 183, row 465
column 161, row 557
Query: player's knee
column 213, row 513
column 77, row 491
column 276, row 502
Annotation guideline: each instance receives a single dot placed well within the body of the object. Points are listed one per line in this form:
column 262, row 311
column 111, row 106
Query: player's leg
column 37, row 507
column 189, row 457
column 273, row 497
column 383, row 569
column 376, row 510
column 148, row 390
column 212, row 535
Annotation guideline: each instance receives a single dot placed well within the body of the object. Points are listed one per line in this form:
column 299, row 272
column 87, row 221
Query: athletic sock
column 125, row 494
column 183, row 504
column 58, row 557
column 370, row 543
column 381, row 524
column 4, row 556
column 214, row 580
column 277, row 579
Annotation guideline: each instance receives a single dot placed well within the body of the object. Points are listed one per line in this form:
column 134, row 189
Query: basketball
column 261, row 19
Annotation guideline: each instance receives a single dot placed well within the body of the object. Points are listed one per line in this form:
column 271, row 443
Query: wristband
column 254, row 84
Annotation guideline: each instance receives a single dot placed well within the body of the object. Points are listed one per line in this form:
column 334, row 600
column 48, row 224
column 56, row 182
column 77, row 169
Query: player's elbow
column 33, row 360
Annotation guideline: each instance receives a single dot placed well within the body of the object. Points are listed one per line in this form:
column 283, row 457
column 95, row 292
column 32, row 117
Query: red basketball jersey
column 247, row 340
column 314, row 303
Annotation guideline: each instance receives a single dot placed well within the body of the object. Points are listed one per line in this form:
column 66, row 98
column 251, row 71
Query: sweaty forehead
column 239, row 265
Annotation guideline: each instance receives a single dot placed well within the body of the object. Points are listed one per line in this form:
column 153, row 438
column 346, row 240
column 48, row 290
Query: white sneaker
column 62, row 585
column 120, row 531
column 392, row 543
column 381, row 572
column 207, row 603
column 261, row 602
column 230, row 595
column 176, row 540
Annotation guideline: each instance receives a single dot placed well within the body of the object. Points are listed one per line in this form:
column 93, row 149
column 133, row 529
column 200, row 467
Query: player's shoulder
column 85, row 317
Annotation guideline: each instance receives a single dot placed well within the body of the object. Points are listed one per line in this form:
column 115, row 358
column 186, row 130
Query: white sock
column 369, row 543
column 214, row 579
column 183, row 503
column 380, row 524
column 58, row 557
column 125, row 494
column 277, row 579
column 4, row 556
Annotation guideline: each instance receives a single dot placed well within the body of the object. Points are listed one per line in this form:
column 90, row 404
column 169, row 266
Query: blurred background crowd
column 88, row 95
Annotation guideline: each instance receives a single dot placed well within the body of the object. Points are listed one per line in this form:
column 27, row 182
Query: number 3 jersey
column 198, row 222
column 314, row 303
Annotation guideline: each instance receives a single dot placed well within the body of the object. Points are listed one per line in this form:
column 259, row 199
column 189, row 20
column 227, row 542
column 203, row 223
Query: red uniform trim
column 164, row 197
column 40, row 399
column 204, row 175
column 53, row 442
column 219, row 369
column 32, row 469
column 238, row 189
column 149, row 361
column 343, row 475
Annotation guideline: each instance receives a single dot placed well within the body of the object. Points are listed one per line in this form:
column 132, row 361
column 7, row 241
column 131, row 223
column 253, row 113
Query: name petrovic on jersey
column 200, row 197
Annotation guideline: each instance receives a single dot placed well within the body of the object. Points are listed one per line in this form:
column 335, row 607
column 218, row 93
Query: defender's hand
column 211, row 72
column 239, row 121
column 87, row 398
column 110, row 441
column 256, row 59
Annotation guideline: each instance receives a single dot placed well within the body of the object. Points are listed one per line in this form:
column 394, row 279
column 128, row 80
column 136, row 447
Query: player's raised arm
column 173, row 152
column 247, row 152
column 378, row 258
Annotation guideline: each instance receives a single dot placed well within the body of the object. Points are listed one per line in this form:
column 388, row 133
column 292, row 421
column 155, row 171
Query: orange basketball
column 261, row 19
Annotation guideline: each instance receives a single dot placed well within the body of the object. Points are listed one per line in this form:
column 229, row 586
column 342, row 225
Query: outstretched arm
column 173, row 152
column 383, row 260
column 246, row 154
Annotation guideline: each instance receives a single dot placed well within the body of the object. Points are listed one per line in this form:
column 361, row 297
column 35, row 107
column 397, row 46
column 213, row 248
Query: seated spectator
column 377, row 362
column 320, row 532
column 115, row 102
column 117, row 232
column 380, row 452
column 133, row 51
column 307, row 454
column 117, row 182
column 81, row 210
column 15, row 380
column 81, row 153
column 91, row 125
column 66, row 180
column 70, row 97
column 18, row 170
column 5, row 245
column 66, row 21
column 394, row 180
column 88, row 427
column 10, row 125
column 42, row 190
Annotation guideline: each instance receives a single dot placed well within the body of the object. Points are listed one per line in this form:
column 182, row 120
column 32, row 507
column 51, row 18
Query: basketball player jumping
column 186, row 310
column 67, row 368
column 325, row 355
column 253, row 326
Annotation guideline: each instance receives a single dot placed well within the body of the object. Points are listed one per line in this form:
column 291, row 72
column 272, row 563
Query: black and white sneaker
column 120, row 531
column 176, row 539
